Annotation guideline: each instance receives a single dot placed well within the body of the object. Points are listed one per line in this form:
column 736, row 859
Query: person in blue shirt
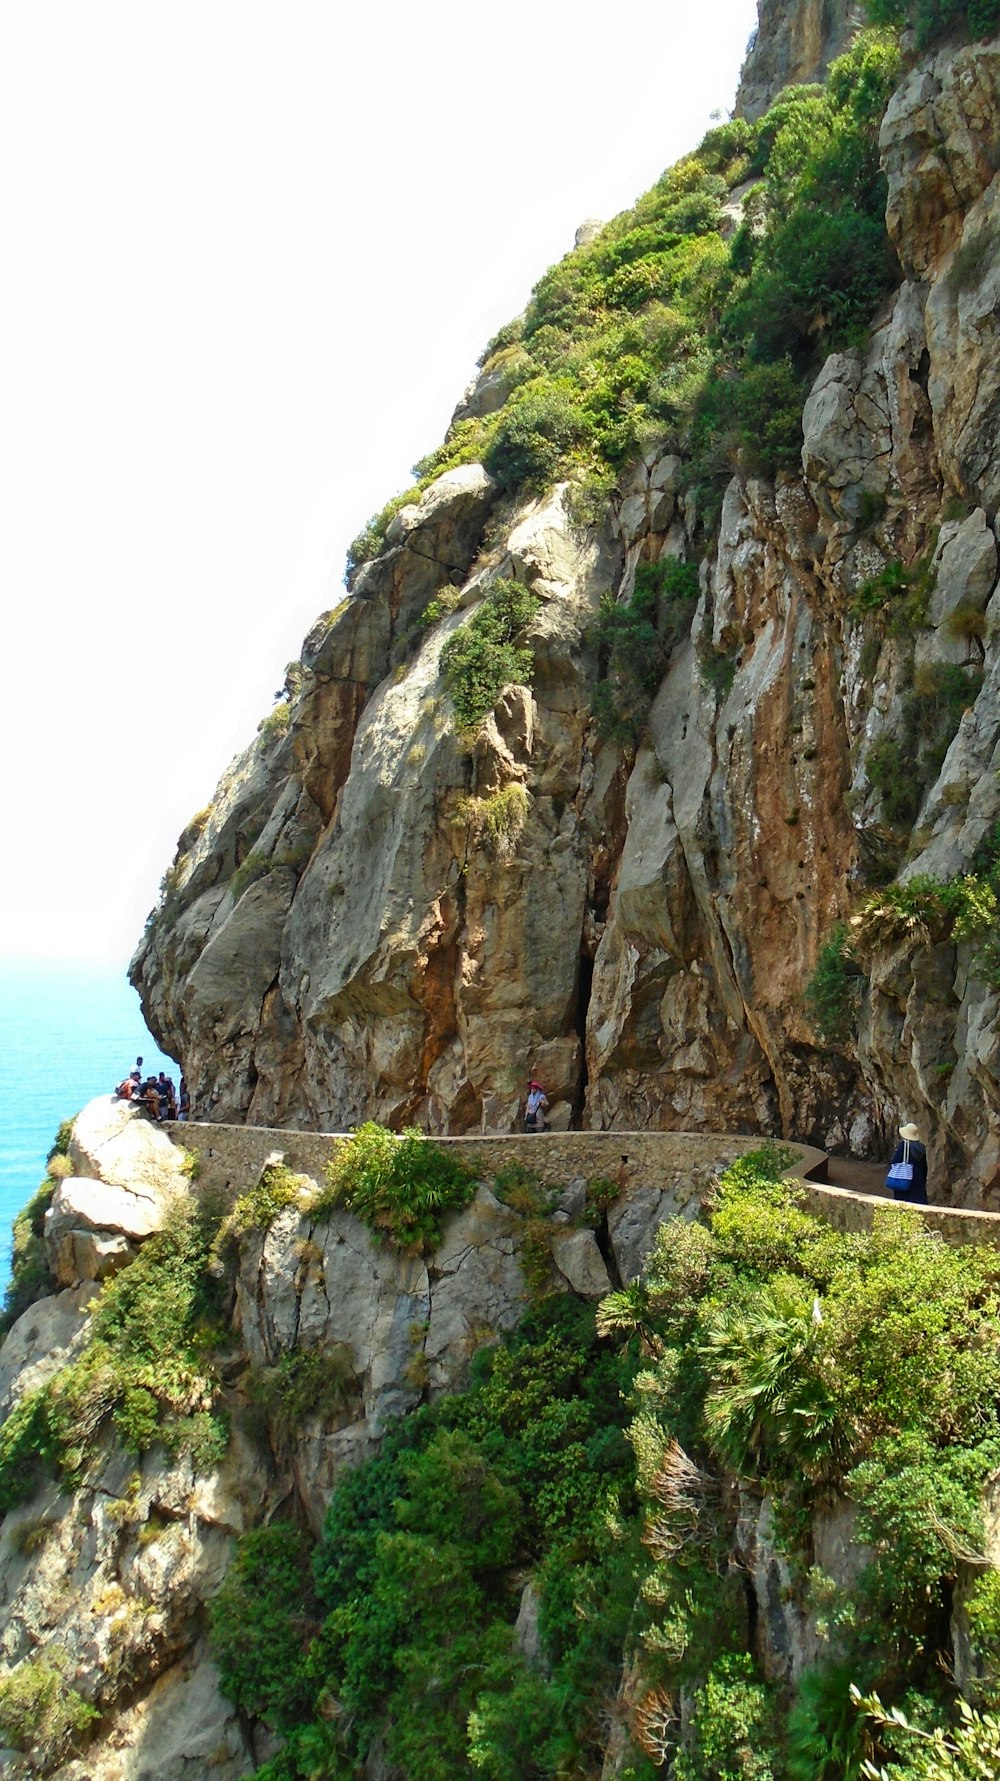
column 911, row 1151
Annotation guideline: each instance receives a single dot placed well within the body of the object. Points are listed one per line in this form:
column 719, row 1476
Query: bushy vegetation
column 145, row 1368
column 39, row 1712
column 762, row 1347
column 931, row 19
column 30, row 1276
column 400, row 1187
column 485, row 655
column 420, row 1570
column 833, row 989
column 923, row 911
column 277, row 1189
column 496, row 821
column 902, row 764
column 661, row 329
column 633, row 641
column 303, row 1383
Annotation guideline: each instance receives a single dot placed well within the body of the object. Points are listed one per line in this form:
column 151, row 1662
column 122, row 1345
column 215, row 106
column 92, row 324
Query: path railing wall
column 673, row 1167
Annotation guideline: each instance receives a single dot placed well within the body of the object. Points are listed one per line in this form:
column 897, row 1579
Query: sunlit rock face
column 343, row 938
column 795, row 42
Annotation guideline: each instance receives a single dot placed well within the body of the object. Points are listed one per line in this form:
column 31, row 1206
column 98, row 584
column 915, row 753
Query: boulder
column 114, row 1143
column 581, row 1263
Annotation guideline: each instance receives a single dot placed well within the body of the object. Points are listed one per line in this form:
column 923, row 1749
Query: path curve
column 844, row 1192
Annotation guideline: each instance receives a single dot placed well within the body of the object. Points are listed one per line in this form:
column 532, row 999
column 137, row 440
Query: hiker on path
column 535, row 1108
column 184, row 1110
column 907, row 1177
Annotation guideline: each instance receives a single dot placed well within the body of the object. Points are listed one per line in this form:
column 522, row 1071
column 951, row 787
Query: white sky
column 251, row 253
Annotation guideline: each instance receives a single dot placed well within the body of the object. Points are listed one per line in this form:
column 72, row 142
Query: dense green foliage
column 484, row 655
column 420, row 1571
column 764, row 1347
column 145, row 1366
column 662, row 329
column 922, row 910
column 39, row 1711
column 400, row 1187
column 833, row 989
column 931, row 19
column 633, row 641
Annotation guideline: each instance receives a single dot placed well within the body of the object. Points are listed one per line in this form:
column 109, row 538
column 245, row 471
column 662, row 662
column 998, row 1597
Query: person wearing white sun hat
column 907, row 1176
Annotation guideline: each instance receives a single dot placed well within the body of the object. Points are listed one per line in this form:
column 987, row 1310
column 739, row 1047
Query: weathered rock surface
column 643, row 943
column 795, row 42
column 128, row 1174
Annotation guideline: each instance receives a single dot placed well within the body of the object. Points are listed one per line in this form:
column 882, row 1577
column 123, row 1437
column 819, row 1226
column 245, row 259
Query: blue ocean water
column 68, row 1032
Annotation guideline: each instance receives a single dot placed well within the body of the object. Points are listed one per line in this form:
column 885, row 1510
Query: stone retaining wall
column 232, row 1156
column 672, row 1167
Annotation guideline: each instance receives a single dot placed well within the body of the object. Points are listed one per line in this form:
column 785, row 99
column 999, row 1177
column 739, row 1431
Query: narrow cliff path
column 838, row 1189
column 857, row 1177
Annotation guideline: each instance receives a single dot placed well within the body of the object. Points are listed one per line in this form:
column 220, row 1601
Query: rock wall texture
column 795, row 42
column 339, row 940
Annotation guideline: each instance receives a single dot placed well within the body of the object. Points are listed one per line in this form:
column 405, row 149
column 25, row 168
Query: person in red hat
column 535, row 1108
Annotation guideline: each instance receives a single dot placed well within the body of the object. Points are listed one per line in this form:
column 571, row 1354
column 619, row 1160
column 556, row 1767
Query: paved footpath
column 857, row 1177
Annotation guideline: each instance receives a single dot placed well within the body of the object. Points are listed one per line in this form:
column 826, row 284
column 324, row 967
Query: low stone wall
column 232, row 1156
column 848, row 1211
column 669, row 1168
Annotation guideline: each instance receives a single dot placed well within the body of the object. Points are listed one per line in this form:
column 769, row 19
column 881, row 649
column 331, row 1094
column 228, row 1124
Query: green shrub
column 827, row 1737
column 539, row 423
column 303, row 1384
column 483, row 656
column 834, row 988
column 890, row 771
column 144, row 1364
column 38, row 1708
column 257, row 1210
column 261, row 1620
column 275, row 725
column 633, row 641
column 717, row 668
column 497, row 821
column 772, row 1398
column 30, row 1275
column 933, row 18
column 965, row 1750
column 401, row 1188
column 733, row 1734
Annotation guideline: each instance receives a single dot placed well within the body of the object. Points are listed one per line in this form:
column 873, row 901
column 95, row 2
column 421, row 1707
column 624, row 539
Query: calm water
column 67, row 1033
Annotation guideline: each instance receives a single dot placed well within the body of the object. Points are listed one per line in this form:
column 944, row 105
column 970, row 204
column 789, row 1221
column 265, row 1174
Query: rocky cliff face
column 343, row 934
column 794, row 44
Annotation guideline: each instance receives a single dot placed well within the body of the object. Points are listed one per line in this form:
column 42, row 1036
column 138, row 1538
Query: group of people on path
column 906, row 1178
column 155, row 1094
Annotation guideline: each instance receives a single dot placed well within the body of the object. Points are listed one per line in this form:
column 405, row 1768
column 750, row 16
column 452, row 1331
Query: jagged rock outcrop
column 343, row 939
column 795, row 42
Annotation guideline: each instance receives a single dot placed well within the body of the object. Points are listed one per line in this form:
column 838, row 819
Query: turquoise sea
column 68, row 1032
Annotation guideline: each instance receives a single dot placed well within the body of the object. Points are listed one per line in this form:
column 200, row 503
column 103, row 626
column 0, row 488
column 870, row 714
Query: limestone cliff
column 343, row 936
column 794, row 44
